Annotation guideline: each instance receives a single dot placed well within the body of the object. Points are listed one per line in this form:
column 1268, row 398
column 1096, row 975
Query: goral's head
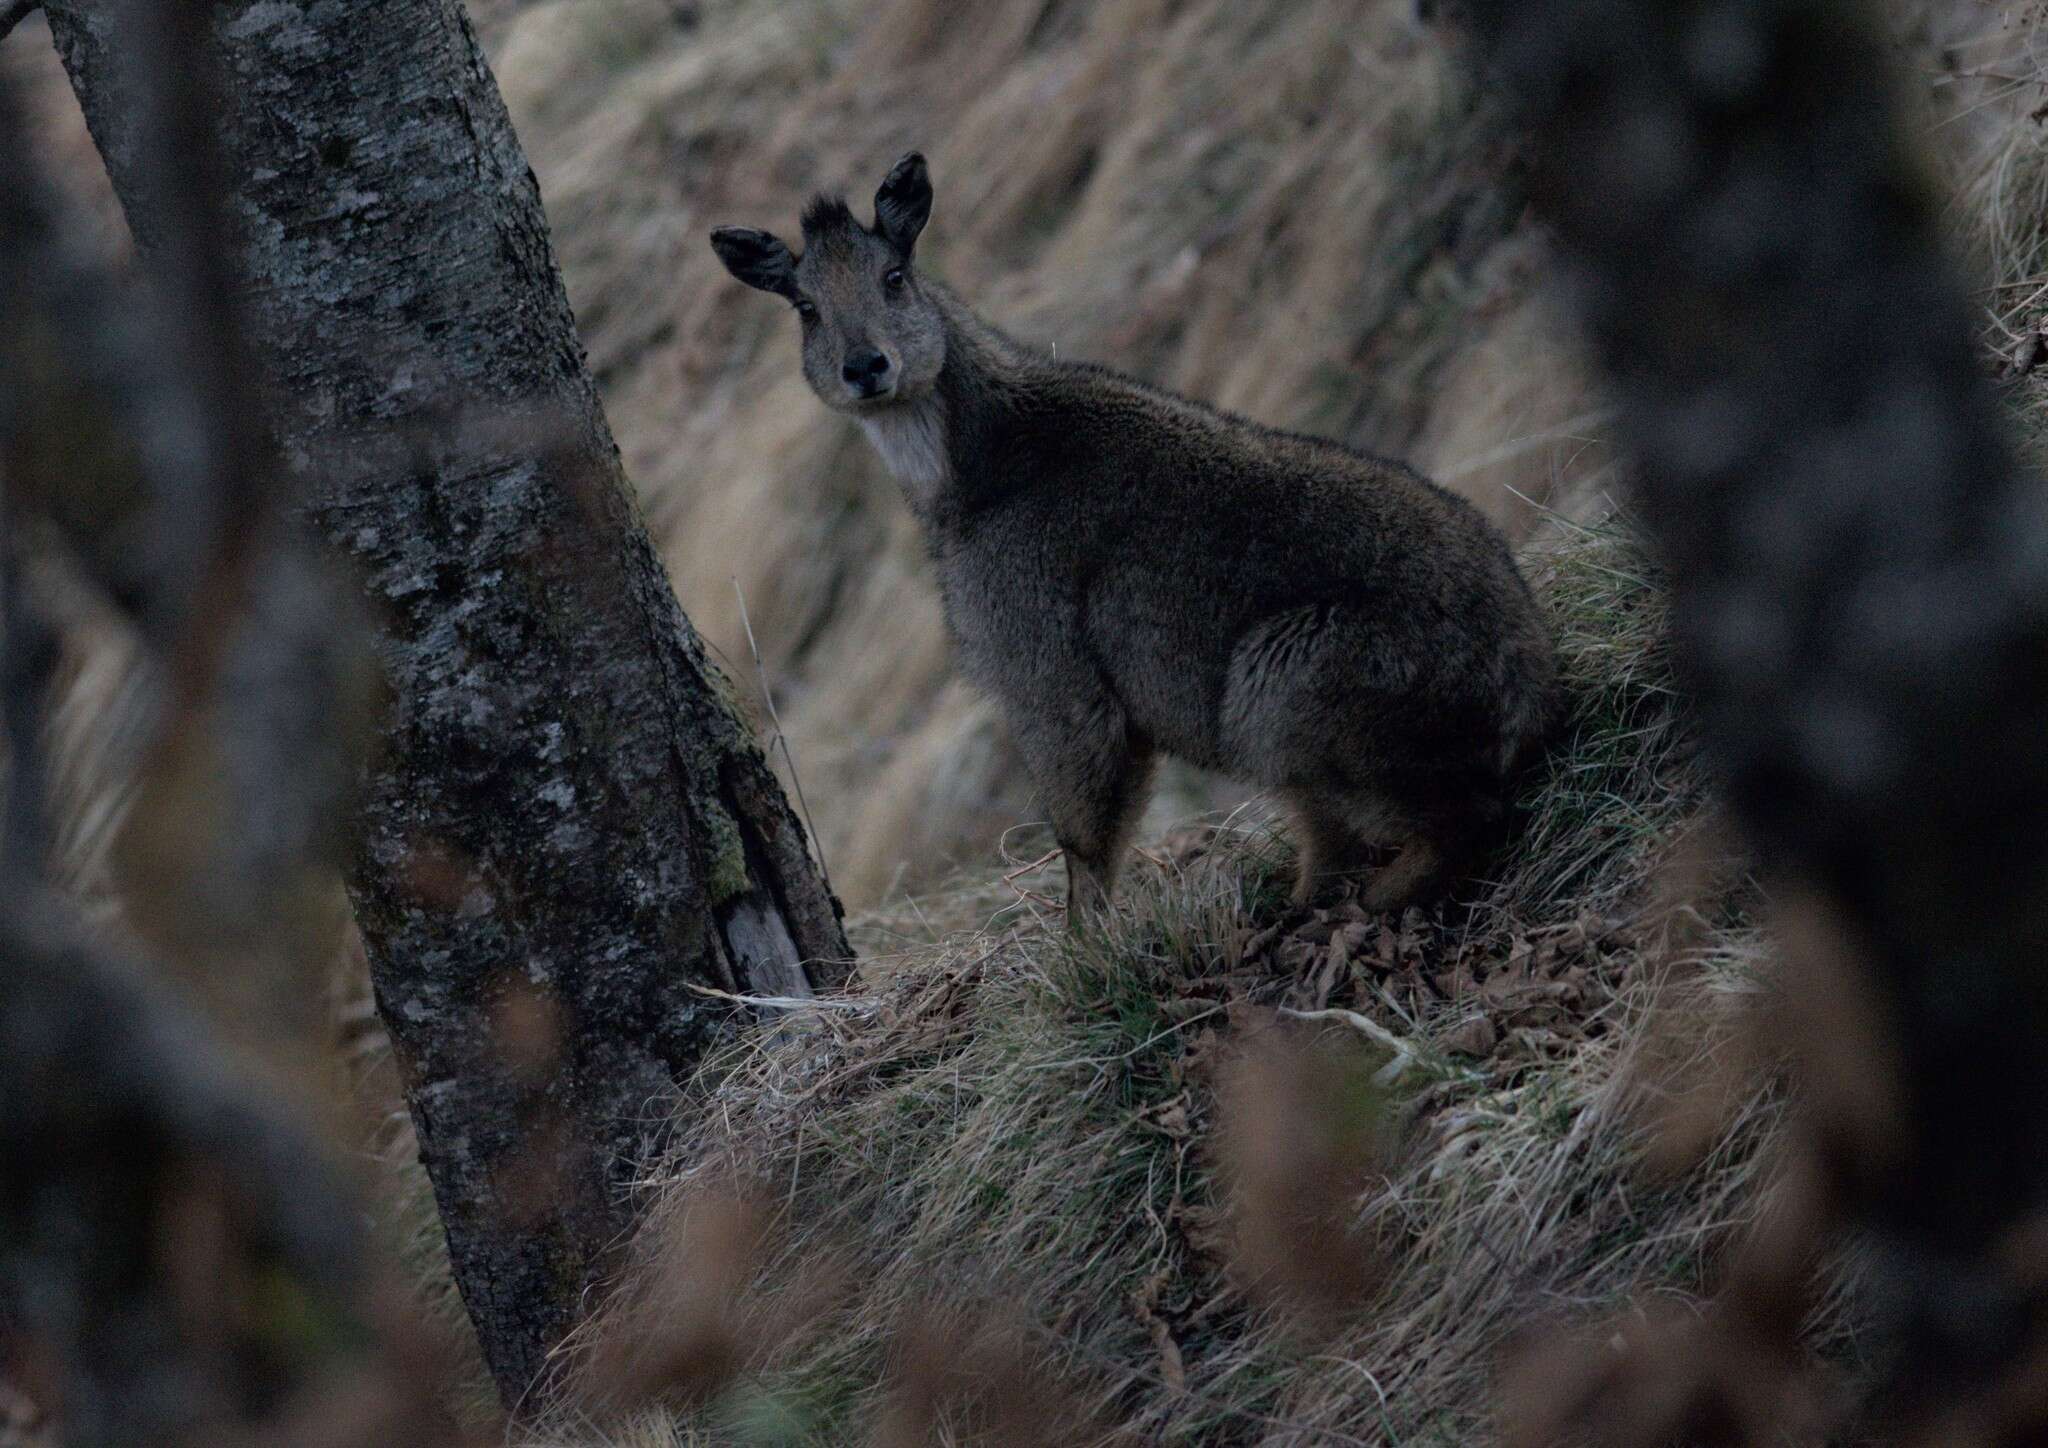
column 872, row 335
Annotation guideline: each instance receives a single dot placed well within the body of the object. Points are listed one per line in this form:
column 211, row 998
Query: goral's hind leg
column 1454, row 830
column 1091, row 776
column 1421, row 867
column 1335, row 838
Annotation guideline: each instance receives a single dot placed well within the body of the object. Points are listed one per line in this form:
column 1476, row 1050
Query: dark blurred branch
column 214, row 465
column 1861, row 572
column 119, row 1107
column 174, row 545
column 258, row 656
column 125, row 1125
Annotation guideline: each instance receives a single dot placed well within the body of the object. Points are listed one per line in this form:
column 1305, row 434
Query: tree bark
column 569, row 831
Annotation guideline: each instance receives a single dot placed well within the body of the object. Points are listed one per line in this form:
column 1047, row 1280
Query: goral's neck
column 928, row 443
column 911, row 438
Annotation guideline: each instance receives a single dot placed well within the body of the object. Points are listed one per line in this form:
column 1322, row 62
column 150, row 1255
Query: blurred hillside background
column 1301, row 210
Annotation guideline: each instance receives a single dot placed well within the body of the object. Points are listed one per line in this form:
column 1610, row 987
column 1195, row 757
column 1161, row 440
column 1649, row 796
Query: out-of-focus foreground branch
column 151, row 1197
column 1861, row 577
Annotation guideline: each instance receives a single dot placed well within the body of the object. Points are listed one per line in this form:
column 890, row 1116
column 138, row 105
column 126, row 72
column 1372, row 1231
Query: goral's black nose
column 865, row 368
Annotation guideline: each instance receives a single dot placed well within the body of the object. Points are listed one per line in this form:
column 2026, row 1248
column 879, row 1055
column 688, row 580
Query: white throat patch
column 912, row 441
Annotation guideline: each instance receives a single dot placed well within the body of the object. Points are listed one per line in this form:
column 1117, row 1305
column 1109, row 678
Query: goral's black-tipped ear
column 904, row 203
column 756, row 258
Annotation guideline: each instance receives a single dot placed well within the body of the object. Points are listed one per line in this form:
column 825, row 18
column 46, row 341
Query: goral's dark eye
column 807, row 311
column 893, row 278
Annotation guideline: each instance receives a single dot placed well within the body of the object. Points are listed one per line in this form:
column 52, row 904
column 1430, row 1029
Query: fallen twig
column 1406, row 1052
column 781, row 1003
column 1035, row 895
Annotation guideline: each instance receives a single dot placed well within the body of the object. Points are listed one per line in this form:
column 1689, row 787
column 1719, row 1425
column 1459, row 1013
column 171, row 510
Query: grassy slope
column 1023, row 1126
column 1300, row 209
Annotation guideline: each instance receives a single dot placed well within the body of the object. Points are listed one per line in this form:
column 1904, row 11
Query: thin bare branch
column 781, row 739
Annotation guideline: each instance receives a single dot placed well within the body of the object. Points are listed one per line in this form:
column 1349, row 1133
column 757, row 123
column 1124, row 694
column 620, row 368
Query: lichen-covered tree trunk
column 568, row 833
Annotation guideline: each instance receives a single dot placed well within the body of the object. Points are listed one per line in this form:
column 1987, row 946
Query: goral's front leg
column 1091, row 776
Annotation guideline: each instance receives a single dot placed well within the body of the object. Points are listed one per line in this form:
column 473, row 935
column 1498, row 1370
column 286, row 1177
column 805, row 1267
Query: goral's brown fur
column 1133, row 574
